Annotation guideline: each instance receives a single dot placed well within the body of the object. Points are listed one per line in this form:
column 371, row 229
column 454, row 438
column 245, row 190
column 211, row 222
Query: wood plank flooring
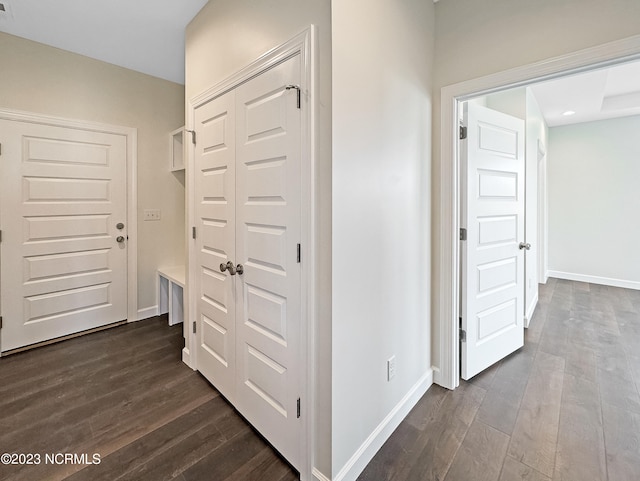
column 565, row 407
column 125, row 395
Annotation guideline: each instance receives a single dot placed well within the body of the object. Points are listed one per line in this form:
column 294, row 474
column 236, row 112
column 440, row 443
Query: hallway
column 125, row 395
column 564, row 407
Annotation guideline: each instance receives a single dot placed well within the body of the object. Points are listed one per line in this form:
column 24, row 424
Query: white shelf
column 177, row 150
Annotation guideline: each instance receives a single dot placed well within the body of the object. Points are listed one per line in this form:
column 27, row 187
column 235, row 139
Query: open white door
column 63, row 207
column 492, row 290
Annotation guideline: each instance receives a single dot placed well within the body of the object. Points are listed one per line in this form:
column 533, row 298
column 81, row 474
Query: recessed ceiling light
column 568, row 112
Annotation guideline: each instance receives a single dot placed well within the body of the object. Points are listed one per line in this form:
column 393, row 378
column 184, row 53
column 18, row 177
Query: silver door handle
column 233, row 270
column 228, row 267
column 524, row 245
column 120, row 239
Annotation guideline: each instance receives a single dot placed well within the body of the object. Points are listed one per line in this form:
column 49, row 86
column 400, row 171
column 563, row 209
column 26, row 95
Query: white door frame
column 447, row 366
column 303, row 44
column 131, row 135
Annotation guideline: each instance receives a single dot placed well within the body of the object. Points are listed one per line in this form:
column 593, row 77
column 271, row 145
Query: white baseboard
column 545, row 277
column 605, row 281
column 352, row 469
column 318, row 476
column 147, row 312
column 186, row 358
column 436, row 375
column 531, row 309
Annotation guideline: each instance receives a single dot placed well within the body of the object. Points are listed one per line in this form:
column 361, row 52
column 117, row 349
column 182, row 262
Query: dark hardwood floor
column 125, row 395
column 565, row 407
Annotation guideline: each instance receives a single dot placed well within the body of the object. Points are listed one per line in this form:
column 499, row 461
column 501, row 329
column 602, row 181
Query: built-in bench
column 171, row 281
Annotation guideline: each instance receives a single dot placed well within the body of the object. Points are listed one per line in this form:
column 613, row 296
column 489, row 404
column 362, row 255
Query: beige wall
column 226, row 36
column 41, row 79
column 382, row 84
column 480, row 37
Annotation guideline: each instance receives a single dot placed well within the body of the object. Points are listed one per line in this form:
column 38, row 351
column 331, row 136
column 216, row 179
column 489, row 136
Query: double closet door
column 247, row 252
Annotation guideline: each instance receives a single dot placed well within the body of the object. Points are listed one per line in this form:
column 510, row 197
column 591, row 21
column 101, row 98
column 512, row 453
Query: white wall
column 382, row 71
column 536, row 139
column 594, row 200
column 226, row 36
column 46, row 80
column 476, row 38
column 511, row 102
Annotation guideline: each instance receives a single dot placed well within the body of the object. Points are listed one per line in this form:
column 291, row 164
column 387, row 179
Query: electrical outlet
column 152, row 214
column 391, row 368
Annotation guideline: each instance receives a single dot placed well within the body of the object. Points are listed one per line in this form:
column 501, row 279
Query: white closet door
column 268, row 233
column 215, row 242
column 247, row 187
column 62, row 194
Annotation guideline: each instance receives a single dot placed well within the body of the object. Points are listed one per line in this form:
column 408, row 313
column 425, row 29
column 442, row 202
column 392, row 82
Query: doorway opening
column 453, row 97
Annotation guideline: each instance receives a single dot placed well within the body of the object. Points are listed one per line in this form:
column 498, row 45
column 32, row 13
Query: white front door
column 247, row 167
column 492, row 290
column 62, row 194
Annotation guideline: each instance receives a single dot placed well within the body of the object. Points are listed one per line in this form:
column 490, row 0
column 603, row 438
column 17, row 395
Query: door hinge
column 463, row 234
column 193, row 135
column 0, row 236
column 297, row 88
column 194, row 327
column 0, row 149
column 463, row 335
column 463, row 132
column 193, row 232
column 299, row 254
column 0, row 322
column 298, row 408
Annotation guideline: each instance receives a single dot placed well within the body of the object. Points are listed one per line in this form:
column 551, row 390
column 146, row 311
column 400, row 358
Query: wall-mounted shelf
column 177, row 150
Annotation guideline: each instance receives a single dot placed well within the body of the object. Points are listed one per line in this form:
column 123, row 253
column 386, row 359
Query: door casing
column 303, row 44
column 446, row 366
column 131, row 135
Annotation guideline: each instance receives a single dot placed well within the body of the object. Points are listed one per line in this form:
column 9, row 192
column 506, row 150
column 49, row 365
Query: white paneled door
column 215, row 205
column 492, row 290
column 248, row 195
column 62, row 196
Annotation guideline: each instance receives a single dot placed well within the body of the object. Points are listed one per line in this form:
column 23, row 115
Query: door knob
column 240, row 269
column 120, row 239
column 228, row 267
column 524, row 245
column 119, row 226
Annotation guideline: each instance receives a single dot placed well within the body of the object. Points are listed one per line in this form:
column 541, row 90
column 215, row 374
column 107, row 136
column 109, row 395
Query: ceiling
column 148, row 36
column 595, row 95
column 142, row 35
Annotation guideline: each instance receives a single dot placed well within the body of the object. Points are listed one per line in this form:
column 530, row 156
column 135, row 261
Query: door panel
column 215, row 243
column 63, row 190
column 268, row 230
column 492, row 288
column 247, row 170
